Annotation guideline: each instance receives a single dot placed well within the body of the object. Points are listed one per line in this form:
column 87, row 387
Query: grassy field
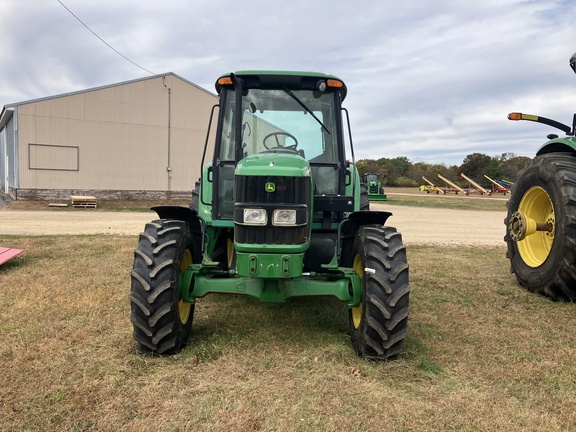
column 481, row 355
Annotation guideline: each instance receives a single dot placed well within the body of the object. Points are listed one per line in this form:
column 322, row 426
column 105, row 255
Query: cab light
column 255, row 216
column 225, row 81
column 284, row 217
column 520, row 116
column 334, row 83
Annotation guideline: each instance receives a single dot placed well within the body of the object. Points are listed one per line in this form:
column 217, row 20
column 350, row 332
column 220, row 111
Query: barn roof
column 8, row 109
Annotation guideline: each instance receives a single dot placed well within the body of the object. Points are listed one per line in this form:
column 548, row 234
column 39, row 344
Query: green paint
column 273, row 164
column 346, row 286
column 565, row 144
column 270, row 265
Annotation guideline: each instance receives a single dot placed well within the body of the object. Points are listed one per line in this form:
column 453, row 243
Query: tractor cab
column 275, row 119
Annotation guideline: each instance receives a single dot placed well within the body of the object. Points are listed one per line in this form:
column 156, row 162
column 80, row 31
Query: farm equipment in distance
column 431, row 187
column 540, row 228
column 453, row 186
column 475, row 187
column 499, row 186
column 278, row 212
column 374, row 187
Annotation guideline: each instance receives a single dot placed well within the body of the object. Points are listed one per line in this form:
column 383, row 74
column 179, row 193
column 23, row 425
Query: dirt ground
column 418, row 225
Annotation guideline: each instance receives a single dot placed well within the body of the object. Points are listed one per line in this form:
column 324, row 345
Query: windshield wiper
column 303, row 105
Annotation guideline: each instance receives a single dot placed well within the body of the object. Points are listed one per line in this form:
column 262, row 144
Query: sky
column 432, row 81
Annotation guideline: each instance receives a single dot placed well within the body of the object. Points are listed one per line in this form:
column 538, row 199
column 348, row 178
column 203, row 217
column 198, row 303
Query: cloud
column 429, row 81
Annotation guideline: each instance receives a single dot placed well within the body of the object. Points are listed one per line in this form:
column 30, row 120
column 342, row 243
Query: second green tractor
column 541, row 219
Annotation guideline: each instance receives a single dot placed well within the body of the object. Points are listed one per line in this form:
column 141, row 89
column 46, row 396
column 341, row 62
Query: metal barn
column 136, row 139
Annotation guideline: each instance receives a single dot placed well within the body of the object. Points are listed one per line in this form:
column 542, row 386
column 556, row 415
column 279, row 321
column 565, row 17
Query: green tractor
column 374, row 187
column 541, row 219
column 277, row 213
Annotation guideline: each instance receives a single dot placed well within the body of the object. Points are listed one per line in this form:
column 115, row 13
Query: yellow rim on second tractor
column 184, row 309
column 536, row 205
column 357, row 311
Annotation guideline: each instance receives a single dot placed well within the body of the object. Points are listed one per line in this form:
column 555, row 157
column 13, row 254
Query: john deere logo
column 270, row 187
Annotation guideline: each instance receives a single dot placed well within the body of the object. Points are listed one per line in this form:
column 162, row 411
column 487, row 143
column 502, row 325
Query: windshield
column 299, row 121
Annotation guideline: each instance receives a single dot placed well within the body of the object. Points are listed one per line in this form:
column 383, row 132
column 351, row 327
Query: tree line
column 400, row 171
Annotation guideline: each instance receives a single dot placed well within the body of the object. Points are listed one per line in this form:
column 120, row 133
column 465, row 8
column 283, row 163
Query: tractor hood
column 274, row 164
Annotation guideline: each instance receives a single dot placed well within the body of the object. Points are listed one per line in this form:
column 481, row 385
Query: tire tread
column 154, row 292
column 385, row 299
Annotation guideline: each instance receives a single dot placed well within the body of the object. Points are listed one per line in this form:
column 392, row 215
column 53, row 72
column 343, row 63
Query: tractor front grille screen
column 272, row 192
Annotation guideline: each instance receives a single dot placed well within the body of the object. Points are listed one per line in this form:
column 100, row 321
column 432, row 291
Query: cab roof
column 274, row 78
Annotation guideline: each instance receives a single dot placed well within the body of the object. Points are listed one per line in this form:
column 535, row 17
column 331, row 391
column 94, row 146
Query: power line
column 106, row 43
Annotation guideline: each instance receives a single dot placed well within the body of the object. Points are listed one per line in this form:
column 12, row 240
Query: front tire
column 161, row 319
column 378, row 326
column 364, row 202
column 545, row 262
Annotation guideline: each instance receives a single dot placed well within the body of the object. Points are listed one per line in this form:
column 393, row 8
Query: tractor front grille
column 288, row 193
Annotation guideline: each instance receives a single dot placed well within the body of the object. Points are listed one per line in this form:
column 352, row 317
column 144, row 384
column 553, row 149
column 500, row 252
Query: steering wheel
column 278, row 145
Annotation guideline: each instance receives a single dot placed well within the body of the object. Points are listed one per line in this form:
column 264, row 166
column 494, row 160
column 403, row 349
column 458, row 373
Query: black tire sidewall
column 186, row 242
column 357, row 333
column 364, row 201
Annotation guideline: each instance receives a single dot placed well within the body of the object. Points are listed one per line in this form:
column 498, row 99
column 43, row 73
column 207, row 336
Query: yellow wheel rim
column 230, row 252
column 184, row 309
column 537, row 205
column 357, row 311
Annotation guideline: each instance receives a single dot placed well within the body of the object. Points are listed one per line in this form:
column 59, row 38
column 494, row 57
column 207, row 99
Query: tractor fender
column 185, row 214
column 349, row 227
column 558, row 145
column 368, row 217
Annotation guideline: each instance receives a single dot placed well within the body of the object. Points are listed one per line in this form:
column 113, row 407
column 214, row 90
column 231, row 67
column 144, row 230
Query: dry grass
column 481, row 355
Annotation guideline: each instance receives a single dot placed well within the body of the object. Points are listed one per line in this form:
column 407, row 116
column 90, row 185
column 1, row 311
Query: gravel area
column 418, row 225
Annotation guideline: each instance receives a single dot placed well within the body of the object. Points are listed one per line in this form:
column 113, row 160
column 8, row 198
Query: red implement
column 6, row 254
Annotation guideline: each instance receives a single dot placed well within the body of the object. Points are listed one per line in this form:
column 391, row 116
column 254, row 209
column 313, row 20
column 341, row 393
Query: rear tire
column 364, row 202
column 161, row 320
column 544, row 262
column 378, row 326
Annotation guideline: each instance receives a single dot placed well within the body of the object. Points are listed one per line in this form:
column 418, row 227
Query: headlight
column 255, row 216
column 284, row 217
